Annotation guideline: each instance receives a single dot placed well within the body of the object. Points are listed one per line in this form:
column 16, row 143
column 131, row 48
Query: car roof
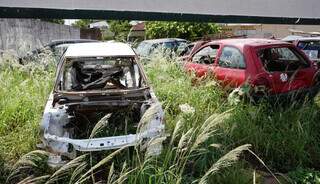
column 161, row 40
column 104, row 49
column 255, row 42
column 66, row 41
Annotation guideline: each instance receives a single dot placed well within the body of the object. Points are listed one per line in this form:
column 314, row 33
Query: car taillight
column 261, row 85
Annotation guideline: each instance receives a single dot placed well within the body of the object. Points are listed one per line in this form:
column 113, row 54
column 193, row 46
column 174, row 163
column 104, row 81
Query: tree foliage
column 83, row 23
column 120, row 28
column 187, row 30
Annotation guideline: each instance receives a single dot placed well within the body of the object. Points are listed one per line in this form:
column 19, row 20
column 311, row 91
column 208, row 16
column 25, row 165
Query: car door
column 231, row 68
column 202, row 61
column 287, row 68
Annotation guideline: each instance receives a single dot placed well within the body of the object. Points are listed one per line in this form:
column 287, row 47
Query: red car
column 269, row 67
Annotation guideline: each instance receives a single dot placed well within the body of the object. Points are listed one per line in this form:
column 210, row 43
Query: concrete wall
column 281, row 31
column 22, row 35
column 265, row 30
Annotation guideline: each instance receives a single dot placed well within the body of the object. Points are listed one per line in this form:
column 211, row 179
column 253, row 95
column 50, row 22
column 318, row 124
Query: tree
column 186, row 30
column 83, row 23
column 120, row 28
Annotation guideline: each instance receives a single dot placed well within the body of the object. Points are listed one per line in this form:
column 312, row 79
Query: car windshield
column 281, row 59
column 144, row 48
column 311, row 48
column 99, row 73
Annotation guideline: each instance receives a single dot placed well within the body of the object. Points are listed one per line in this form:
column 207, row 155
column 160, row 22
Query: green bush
column 186, row 30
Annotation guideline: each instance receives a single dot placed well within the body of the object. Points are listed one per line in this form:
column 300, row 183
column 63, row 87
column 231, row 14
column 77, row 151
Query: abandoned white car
column 101, row 100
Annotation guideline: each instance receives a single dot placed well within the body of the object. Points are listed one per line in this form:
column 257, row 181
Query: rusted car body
column 100, row 86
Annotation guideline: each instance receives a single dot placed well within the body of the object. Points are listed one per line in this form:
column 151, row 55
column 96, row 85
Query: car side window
column 231, row 58
column 206, row 55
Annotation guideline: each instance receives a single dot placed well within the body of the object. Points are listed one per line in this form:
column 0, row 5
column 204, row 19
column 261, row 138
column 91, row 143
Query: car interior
column 281, row 59
column 100, row 74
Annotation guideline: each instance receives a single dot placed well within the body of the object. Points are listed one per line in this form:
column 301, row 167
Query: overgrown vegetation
column 158, row 29
column 207, row 134
column 186, row 30
column 120, row 29
column 82, row 23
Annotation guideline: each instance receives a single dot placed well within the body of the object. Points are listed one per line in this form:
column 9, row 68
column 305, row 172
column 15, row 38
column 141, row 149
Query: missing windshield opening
column 98, row 73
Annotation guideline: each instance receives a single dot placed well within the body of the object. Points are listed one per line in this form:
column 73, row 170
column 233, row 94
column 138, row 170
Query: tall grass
column 23, row 93
column 175, row 165
column 205, row 133
column 286, row 138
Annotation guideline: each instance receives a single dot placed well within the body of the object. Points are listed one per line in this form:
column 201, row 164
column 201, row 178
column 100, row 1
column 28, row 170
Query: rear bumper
column 296, row 95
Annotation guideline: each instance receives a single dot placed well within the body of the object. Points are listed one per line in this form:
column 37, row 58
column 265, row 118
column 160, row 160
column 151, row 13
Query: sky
column 69, row 21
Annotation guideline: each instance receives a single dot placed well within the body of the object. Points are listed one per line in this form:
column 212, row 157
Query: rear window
column 282, row 59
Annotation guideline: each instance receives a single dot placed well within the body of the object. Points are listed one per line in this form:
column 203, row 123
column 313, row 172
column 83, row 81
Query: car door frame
column 230, row 77
column 205, row 68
